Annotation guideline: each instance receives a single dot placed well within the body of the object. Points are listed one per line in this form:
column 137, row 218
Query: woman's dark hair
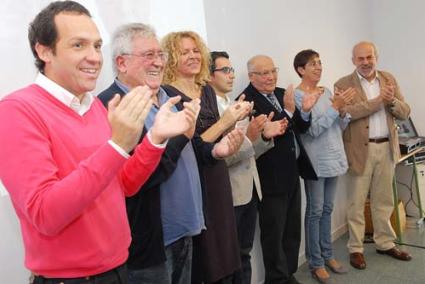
column 302, row 58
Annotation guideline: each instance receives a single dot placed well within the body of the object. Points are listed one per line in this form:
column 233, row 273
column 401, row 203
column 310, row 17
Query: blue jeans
column 177, row 269
column 320, row 201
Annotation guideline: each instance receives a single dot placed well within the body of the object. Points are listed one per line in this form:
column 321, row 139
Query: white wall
column 398, row 30
column 279, row 28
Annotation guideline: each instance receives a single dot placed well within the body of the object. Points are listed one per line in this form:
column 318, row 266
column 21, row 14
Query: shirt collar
column 363, row 79
column 122, row 86
column 64, row 96
column 223, row 100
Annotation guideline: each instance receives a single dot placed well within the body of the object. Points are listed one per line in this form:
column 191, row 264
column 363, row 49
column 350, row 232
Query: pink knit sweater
column 68, row 184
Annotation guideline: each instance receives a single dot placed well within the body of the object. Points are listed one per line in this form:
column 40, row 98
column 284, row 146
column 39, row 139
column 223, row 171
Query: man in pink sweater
column 65, row 160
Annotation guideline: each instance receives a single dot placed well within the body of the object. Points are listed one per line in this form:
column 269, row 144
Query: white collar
column 363, row 79
column 64, row 96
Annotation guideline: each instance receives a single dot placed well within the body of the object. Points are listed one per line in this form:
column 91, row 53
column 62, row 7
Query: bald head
column 365, row 44
column 262, row 73
column 258, row 60
column 365, row 59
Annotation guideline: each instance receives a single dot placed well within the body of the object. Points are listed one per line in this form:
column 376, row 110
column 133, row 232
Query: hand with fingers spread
column 229, row 144
column 168, row 124
column 309, row 100
column 127, row 115
column 274, row 128
column 255, row 127
column 342, row 98
column 347, row 95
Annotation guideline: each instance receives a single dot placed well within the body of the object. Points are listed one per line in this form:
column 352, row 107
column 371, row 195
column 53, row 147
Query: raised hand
column 229, row 144
column 255, row 127
column 127, row 115
column 168, row 124
column 309, row 100
column 195, row 107
column 387, row 93
column 289, row 99
column 347, row 95
column 274, row 128
column 237, row 111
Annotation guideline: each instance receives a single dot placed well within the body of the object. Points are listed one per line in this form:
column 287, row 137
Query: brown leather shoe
column 396, row 253
column 335, row 266
column 321, row 275
column 357, row 260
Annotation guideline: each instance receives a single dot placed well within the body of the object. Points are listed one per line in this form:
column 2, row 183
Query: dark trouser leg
column 272, row 218
column 292, row 234
column 246, row 216
column 176, row 269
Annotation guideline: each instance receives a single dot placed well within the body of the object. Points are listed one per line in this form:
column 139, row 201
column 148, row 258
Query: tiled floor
column 381, row 269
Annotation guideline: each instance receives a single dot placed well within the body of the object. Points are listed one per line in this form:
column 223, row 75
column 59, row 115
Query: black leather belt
column 117, row 270
column 379, row 140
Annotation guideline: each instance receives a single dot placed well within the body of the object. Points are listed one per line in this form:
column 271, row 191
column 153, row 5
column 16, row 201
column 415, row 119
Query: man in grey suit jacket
column 371, row 145
column 246, row 188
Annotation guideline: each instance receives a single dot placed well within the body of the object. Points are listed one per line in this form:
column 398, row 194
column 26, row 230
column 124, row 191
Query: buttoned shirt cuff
column 290, row 114
column 119, row 149
column 305, row 115
column 126, row 155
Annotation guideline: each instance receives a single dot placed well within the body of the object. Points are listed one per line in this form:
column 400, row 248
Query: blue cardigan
column 323, row 140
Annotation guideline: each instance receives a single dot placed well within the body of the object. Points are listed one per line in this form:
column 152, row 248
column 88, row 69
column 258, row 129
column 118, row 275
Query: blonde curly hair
column 170, row 44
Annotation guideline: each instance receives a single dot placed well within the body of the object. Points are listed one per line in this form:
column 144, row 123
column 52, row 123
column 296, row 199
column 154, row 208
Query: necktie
column 273, row 100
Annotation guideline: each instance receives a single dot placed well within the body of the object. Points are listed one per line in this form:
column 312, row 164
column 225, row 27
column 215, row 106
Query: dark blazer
column 144, row 208
column 278, row 168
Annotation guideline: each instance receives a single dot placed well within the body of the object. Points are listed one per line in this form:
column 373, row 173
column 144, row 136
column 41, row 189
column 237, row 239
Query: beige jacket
column 243, row 170
column 356, row 135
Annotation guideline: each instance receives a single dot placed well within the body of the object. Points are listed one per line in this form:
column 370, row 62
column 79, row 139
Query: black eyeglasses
column 226, row 70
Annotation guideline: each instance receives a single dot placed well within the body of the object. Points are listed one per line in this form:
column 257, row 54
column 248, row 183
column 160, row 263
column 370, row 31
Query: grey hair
column 251, row 62
column 122, row 39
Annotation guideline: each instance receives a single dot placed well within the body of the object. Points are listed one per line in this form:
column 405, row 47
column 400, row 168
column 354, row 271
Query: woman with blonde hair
column 215, row 250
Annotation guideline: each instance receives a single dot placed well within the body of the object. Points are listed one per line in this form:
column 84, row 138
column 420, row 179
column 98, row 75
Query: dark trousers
column 280, row 225
column 246, row 215
column 114, row 276
column 176, row 269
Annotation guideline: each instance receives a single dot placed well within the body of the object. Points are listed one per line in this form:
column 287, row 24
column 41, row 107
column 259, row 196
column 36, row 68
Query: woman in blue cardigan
column 324, row 145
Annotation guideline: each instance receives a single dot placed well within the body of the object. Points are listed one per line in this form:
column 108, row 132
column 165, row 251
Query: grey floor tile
column 381, row 269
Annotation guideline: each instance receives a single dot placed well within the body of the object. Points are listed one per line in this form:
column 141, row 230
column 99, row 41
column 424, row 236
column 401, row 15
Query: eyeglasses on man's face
column 225, row 70
column 266, row 72
column 150, row 55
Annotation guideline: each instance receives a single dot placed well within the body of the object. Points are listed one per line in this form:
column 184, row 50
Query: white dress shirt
column 378, row 127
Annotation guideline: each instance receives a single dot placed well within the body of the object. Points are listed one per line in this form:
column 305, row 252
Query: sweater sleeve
column 140, row 166
column 29, row 170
